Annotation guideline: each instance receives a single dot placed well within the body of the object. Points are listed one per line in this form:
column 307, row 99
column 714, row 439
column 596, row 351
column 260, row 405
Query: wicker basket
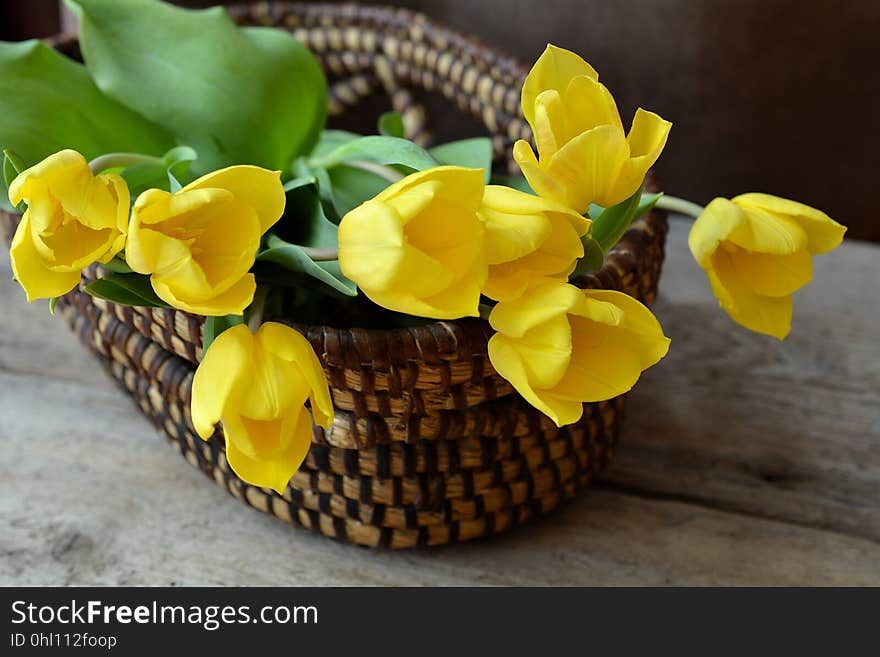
column 429, row 444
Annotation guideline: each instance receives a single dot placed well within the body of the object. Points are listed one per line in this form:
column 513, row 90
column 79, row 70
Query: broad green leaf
column 381, row 150
column 475, row 153
column 214, row 326
column 391, row 125
column 126, row 289
column 330, row 140
column 238, row 96
column 351, row 187
column 12, row 166
column 610, row 224
column 49, row 102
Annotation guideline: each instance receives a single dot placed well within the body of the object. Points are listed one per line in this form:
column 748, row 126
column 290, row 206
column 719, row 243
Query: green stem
column 256, row 309
column 116, row 160
column 680, row 205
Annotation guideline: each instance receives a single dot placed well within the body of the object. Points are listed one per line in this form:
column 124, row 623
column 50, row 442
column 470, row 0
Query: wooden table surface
column 743, row 460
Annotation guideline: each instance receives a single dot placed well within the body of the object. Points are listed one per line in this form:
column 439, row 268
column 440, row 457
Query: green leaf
column 475, row 153
column 237, row 95
column 53, row 301
column 117, row 266
column 647, row 203
column 12, row 166
column 49, row 102
column 305, row 224
column 126, row 289
column 351, row 187
column 610, row 224
column 174, row 165
column 382, row 150
column 293, row 258
column 214, row 326
column 391, row 125
column 330, row 140
column 593, row 257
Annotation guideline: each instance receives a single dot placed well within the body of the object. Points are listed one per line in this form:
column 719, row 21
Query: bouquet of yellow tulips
column 209, row 184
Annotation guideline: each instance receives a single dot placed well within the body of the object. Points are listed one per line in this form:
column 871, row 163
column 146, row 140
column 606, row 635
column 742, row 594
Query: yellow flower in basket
column 74, row 219
column 585, row 157
column 257, row 386
column 560, row 346
column 757, row 251
column 527, row 237
column 417, row 247
column 199, row 243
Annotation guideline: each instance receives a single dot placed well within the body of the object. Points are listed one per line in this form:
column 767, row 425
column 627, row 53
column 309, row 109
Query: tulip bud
column 74, row 219
column 527, row 238
column 199, row 243
column 257, row 386
column 756, row 250
column 417, row 247
column 560, row 346
column 584, row 155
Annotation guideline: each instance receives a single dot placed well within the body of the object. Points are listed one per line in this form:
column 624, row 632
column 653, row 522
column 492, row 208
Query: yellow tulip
column 585, row 157
column 74, row 219
column 417, row 247
column 257, row 386
column 560, row 346
column 756, row 250
column 527, row 238
column 199, row 243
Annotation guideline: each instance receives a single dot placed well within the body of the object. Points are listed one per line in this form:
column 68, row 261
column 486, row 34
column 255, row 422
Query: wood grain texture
column 742, row 461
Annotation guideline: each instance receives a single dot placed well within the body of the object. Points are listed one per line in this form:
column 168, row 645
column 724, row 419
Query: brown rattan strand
column 429, row 444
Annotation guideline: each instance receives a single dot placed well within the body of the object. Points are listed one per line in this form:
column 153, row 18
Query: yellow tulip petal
column 458, row 185
column 604, row 364
column 646, row 140
column 539, row 304
column 558, row 253
column 823, row 233
column 29, row 269
column 545, row 350
column 551, row 126
column 223, row 374
column 291, row 346
column 644, row 333
column 371, row 245
column 66, row 172
column 506, row 360
column 118, row 188
column 543, row 183
column 506, row 281
column 763, row 232
column 274, row 473
column 510, row 235
column 773, row 275
column 555, row 69
column 588, row 166
column 277, row 386
column 590, row 104
column 231, row 302
column 762, row 314
column 259, row 188
column 714, row 225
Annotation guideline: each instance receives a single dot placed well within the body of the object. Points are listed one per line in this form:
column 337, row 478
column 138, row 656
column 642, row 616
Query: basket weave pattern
column 429, row 445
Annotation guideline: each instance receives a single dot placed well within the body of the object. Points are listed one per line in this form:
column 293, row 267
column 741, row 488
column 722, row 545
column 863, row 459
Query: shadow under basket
column 429, row 444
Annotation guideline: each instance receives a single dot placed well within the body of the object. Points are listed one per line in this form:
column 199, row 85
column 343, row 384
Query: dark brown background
column 766, row 95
